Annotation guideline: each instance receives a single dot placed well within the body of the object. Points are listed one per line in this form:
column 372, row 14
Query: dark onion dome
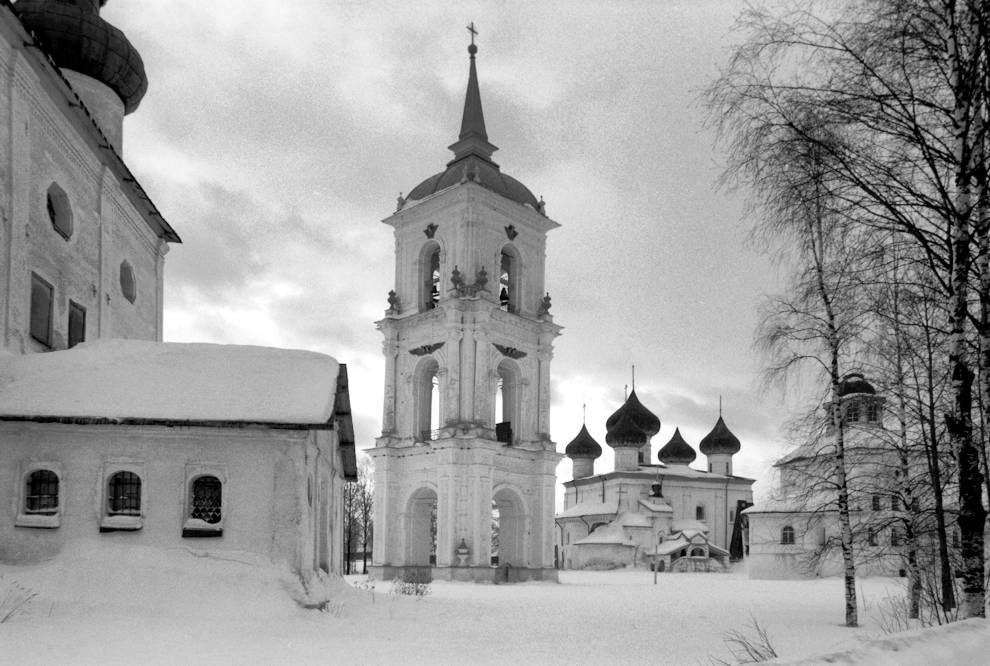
column 719, row 440
column 677, row 451
column 641, row 416
column 583, row 446
column 473, row 153
column 74, row 35
column 854, row 382
column 625, row 432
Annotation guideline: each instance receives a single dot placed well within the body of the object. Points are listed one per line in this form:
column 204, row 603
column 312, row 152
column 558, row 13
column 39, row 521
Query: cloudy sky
column 275, row 137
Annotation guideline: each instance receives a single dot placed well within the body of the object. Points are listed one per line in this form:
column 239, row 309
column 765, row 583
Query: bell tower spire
column 473, row 139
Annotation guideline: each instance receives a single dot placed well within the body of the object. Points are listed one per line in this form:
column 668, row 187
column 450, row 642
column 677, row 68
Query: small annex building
column 795, row 531
column 668, row 515
column 216, row 448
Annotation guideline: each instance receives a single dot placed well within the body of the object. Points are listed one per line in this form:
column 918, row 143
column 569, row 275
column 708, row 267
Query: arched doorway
column 510, row 535
column 421, row 528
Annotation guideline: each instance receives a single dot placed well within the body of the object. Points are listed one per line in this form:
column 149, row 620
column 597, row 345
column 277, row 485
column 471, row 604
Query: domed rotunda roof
column 854, row 382
column 472, row 155
column 74, row 35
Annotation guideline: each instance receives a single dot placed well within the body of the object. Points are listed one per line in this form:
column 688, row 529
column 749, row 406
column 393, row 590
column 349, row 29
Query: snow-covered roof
column 610, row 534
column 142, row 380
column 632, row 519
column 591, row 508
column 688, row 525
column 655, row 504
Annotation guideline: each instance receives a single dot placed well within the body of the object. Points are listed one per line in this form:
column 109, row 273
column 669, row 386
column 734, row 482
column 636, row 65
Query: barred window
column 124, row 494
column 41, row 493
column 787, row 535
column 206, row 499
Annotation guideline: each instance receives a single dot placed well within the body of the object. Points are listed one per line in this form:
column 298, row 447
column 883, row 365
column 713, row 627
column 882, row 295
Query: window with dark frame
column 787, row 535
column 699, row 512
column 59, row 211
column 77, row 324
column 124, row 494
column 876, row 503
column 206, row 499
column 871, row 537
column 41, row 493
column 128, row 286
column 42, row 301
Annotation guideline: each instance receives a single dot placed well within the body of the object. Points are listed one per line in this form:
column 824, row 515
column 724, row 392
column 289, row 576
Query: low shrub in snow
column 751, row 646
column 600, row 565
column 412, row 584
column 321, row 592
column 14, row 597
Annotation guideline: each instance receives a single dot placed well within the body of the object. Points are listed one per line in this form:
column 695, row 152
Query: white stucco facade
column 51, row 145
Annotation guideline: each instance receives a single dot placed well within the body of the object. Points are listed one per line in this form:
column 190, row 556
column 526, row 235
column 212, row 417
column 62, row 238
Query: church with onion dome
column 667, row 513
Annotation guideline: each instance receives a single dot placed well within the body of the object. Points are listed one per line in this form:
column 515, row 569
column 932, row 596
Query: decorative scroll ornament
column 423, row 350
column 510, row 352
column 430, row 229
column 511, row 232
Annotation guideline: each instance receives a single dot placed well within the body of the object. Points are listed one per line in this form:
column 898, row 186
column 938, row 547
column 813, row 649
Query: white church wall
column 270, row 488
column 48, row 148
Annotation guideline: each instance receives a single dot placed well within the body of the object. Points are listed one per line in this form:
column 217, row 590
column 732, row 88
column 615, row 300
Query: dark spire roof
column 719, row 440
column 473, row 154
column 677, row 451
column 646, row 420
column 583, row 446
column 625, row 431
column 74, row 35
column 854, row 382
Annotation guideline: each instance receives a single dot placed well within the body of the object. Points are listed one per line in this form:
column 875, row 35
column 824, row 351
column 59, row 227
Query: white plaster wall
column 268, row 502
column 42, row 145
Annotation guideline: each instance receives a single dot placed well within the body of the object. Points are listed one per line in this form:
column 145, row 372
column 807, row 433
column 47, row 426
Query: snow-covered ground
column 135, row 605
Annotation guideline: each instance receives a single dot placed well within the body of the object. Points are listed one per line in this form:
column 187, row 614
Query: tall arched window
column 787, row 535
column 427, row 400
column 508, row 280
column 430, row 276
column 506, row 403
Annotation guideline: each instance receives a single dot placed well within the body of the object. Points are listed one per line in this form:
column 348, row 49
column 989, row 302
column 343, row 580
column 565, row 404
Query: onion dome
column 583, row 446
column 625, row 432
column 854, row 382
column 74, row 35
column 677, row 451
column 719, row 440
column 646, row 420
column 472, row 155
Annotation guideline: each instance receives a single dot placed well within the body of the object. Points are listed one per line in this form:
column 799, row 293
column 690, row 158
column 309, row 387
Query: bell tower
column 464, row 467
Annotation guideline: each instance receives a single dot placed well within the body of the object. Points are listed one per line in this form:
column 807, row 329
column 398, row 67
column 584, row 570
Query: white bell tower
column 465, row 441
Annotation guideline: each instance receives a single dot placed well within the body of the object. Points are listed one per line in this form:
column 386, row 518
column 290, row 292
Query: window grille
column 41, row 494
column 124, row 494
column 787, row 535
column 206, row 496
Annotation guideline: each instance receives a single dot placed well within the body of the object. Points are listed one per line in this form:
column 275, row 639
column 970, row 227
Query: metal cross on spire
column 473, row 32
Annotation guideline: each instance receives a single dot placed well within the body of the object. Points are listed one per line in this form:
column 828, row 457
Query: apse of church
column 468, row 338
